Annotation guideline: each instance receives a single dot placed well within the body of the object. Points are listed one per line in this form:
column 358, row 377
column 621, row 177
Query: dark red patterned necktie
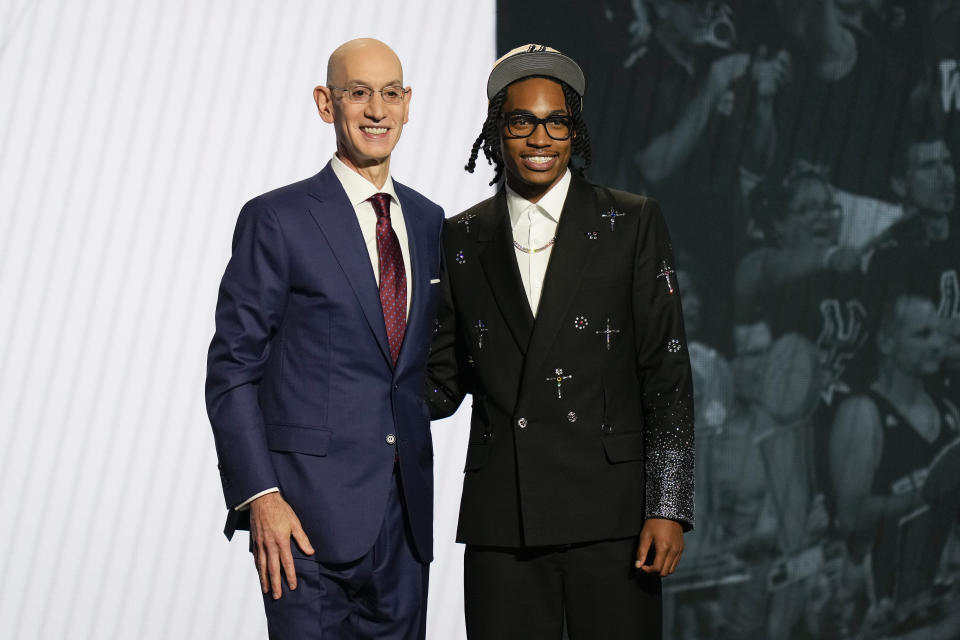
column 393, row 278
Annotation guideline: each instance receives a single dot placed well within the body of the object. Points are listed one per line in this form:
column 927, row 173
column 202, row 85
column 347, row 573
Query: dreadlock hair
column 489, row 138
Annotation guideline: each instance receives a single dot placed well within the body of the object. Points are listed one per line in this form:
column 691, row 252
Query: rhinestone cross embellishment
column 558, row 377
column 465, row 221
column 481, row 330
column 607, row 332
column 613, row 214
column 665, row 273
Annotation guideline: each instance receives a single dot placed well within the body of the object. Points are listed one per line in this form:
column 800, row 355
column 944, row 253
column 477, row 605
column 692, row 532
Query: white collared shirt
column 535, row 225
column 359, row 190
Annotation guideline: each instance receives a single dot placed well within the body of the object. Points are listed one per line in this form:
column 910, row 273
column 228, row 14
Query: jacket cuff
column 669, row 462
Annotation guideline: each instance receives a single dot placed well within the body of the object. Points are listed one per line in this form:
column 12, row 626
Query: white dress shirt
column 535, row 225
column 359, row 190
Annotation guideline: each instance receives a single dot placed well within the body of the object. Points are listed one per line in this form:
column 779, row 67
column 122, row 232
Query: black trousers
column 526, row 593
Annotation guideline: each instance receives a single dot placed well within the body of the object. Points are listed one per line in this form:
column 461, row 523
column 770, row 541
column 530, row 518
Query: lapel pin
column 607, row 332
column 465, row 220
column 612, row 215
column 559, row 378
column 481, row 331
column 665, row 273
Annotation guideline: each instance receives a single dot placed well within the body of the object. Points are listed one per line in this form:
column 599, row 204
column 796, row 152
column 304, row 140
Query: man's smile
column 374, row 132
column 539, row 162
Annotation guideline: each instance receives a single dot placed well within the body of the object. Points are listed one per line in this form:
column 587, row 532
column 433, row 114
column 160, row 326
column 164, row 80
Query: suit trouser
column 382, row 595
column 526, row 593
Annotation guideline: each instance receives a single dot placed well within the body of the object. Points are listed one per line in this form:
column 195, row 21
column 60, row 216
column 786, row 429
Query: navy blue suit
column 301, row 391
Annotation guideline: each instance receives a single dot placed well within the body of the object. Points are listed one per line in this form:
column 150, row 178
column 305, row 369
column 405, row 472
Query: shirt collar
column 551, row 204
column 358, row 188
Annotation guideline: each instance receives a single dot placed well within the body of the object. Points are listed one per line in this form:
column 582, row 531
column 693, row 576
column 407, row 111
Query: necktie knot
column 381, row 204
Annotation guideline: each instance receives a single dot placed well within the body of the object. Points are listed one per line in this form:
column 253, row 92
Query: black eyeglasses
column 360, row 94
column 522, row 125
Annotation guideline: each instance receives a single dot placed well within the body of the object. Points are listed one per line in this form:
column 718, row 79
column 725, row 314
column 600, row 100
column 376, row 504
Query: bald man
column 315, row 374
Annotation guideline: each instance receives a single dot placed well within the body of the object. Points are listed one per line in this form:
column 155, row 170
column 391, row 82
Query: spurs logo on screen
column 842, row 335
column 950, row 85
column 949, row 294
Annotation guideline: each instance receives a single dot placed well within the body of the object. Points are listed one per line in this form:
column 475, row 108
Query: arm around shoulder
column 444, row 387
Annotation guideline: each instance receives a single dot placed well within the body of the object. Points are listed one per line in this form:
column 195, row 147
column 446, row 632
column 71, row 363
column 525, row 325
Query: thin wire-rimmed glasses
column 359, row 93
column 522, row 125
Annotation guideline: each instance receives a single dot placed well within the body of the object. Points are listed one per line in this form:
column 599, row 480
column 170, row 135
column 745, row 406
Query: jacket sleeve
column 253, row 295
column 446, row 384
column 663, row 364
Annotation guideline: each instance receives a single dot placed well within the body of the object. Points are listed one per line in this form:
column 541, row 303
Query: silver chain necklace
column 538, row 249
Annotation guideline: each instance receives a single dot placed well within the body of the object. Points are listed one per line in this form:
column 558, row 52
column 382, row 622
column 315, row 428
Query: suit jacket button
column 391, row 439
column 572, row 416
column 522, row 423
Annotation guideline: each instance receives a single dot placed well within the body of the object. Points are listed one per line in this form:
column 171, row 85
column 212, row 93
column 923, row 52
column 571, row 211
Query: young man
column 316, row 369
column 560, row 313
column 921, row 251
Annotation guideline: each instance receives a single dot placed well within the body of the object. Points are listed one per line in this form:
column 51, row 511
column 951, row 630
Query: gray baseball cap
column 534, row 60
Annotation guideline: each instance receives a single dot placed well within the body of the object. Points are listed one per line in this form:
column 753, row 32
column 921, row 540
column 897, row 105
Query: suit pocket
column 310, row 440
column 477, row 455
column 624, row 447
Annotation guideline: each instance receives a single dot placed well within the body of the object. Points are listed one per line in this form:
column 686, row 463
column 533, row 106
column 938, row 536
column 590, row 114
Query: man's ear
column 899, row 186
column 324, row 99
column 406, row 104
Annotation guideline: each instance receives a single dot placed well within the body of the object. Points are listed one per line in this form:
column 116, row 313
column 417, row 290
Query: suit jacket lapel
column 340, row 227
column 568, row 260
column 499, row 264
column 417, row 280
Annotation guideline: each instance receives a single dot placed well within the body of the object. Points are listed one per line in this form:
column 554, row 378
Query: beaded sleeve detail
column 669, row 461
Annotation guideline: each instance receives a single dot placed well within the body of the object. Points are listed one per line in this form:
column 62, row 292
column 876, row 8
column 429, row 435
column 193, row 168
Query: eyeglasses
column 360, row 94
column 522, row 125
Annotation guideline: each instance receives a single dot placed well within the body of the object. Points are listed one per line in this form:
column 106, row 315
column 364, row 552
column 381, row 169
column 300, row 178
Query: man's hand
column 770, row 73
column 723, row 73
column 666, row 539
column 272, row 523
column 844, row 260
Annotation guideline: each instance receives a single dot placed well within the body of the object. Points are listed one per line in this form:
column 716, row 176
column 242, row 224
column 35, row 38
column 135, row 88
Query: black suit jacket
column 592, row 457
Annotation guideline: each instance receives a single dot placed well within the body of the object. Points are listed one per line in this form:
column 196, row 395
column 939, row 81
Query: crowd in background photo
column 804, row 153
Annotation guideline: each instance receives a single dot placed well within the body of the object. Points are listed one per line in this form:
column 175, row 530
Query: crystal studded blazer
column 582, row 422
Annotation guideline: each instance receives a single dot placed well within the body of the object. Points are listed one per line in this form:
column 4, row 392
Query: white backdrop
column 131, row 132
